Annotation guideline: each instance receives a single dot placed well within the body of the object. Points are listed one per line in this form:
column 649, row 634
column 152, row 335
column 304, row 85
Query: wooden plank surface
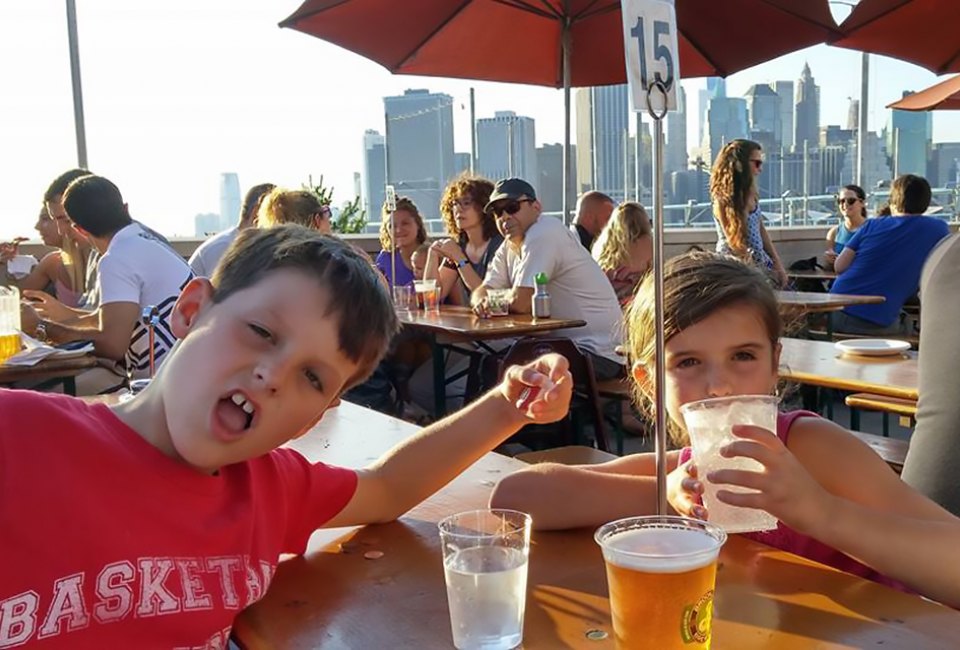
column 461, row 323
column 816, row 274
column 811, row 301
column 819, row 363
column 336, row 598
column 47, row 369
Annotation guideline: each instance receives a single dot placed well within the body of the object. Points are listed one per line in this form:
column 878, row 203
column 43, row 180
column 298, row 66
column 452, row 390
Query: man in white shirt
column 578, row 288
column 135, row 271
column 205, row 259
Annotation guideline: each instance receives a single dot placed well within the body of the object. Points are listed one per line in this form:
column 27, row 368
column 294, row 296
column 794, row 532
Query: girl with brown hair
column 624, row 249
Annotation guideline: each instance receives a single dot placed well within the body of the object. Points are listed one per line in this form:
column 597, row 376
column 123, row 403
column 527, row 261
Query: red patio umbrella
column 943, row 96
column 529, row 41
column 923, row 32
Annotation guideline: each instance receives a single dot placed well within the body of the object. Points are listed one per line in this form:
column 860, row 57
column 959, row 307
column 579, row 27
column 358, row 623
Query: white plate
column 872, row 347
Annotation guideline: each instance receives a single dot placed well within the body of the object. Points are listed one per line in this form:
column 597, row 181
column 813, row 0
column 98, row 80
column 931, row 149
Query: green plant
column 352, row 218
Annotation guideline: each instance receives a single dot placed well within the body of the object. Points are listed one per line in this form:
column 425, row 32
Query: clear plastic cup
column 710, row 425
column 485, row 555
column 661, row 574
column 428, row 295
column 404, row 298
column 498, row 302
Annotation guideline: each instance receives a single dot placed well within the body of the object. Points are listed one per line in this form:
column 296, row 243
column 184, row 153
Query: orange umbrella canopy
column 944, row 96
column 521, row 40
column 924, row 32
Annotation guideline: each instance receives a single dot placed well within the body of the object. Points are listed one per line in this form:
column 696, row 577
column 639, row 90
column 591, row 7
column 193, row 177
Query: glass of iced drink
column 498, row 302
column 661, row 573
column 428, row 294
column 710, row 425
column 485, row 565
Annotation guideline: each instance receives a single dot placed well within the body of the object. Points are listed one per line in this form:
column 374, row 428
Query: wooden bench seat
column 891, row 450
column 906, row 409
column 569, row 455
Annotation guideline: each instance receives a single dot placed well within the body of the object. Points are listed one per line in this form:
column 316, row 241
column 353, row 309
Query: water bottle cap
column 540, row 278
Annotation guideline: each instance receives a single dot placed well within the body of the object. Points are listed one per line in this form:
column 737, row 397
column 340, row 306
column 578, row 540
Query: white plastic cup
column 710, row 425
column 485, row 558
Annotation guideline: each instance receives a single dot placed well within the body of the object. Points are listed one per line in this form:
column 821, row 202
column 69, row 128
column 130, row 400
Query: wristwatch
column 462, row 263
column 41, row 331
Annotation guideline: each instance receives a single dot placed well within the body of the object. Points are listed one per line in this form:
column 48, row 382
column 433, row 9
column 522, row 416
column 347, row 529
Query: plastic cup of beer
column 485, row 556
column 404, row 298
column 710, row 425
column 9, row 322
column 498, row 302
column 428, row 294
column 661, row 573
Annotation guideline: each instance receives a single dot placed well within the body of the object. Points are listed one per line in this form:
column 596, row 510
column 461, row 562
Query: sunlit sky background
column 177, row 92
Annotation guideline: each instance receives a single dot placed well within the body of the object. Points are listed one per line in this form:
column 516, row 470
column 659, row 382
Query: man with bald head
column 593, row 212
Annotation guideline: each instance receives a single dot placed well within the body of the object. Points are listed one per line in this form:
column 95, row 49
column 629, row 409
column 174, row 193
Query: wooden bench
column 906, row 409
column 891, row 450
column 570, row 455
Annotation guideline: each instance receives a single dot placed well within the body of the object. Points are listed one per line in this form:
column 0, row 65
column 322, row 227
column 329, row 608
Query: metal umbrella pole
column 658, row 260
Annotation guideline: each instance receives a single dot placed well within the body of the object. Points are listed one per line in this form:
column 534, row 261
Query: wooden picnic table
column 813, row 302
column 460, row 325
column 333, row 597
column 819, row 363
column 47, row 370
column 815, row 274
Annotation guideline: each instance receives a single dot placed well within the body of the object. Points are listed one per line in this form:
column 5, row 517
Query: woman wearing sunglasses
column 852, row 202
column 735, row 193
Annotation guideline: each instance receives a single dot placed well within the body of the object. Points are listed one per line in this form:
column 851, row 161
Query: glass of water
column 485, row 556
column 710, row 425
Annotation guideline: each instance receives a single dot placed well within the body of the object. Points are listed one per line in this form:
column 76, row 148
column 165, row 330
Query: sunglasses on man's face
column 848, row 200
column 510, row 207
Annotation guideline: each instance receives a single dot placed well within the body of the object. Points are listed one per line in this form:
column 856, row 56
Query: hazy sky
column 177, row 92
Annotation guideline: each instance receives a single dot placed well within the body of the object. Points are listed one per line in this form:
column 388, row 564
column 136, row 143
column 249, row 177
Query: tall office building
column 229, row 200
column 944, row 164
column 833, row 158
column 419, row 143
column 833, row 135
column 784, row 90
column 715, row 87
column 603, row 153
column 549, row 183
column 374, row 173
column 675, row 156
column 908, row 136
column 763, row 112
column 206, row 224
column 461, row 163
column 807, row 112
column 726, row 121
column 506, row 146
column 876, row 167
column 853, row 114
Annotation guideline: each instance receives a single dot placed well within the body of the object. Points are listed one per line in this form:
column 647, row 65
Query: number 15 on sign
column 650, row 47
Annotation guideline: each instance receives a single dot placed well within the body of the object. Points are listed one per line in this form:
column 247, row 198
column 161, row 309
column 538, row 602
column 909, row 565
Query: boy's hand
column 540, row 390
column 784, row 489
column 685, row 491
column 46, row 305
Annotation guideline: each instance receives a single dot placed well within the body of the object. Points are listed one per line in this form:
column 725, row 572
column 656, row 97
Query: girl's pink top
column 787, row 539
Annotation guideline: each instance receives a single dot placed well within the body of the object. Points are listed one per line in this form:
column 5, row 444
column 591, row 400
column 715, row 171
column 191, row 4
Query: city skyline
column 239, row 95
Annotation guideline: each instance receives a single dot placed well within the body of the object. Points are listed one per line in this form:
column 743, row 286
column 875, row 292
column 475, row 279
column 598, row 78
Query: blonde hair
column 73, row 256
column 732, row 187
column 695, row 285
column 408, row 206
column 288, row 206
column 628, row 224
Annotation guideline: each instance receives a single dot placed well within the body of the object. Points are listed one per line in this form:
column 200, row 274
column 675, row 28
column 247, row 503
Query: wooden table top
column 811, row 301
column 819, row 363
column 336, row 598
column 816, row 274
column 47, row 369
column 462, row 323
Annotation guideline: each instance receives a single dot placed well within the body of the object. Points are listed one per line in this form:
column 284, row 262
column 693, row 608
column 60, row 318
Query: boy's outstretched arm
column 563, row 496
column 421, row 465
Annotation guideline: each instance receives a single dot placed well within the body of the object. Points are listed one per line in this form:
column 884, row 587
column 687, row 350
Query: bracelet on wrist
column 462, row 263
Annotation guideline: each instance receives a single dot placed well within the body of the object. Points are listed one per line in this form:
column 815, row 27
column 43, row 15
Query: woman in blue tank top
column 852, row 204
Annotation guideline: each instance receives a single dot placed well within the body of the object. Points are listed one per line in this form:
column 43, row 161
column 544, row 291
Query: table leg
column 70, row 386
column 439, row 379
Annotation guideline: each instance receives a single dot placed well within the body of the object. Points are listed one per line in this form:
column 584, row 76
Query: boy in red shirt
column 153, row 523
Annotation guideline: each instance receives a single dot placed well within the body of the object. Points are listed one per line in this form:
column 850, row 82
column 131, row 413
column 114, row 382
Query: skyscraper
column 763, row 113
column 506, row 146
column 875, row 165
column 715, row 87
column 549, row 183
column 784, row 90
column 374, row 173
column 807, row 111
column 853, row 114
column 603, row 155
column 726, row 121
column 675, row 158
column 229, row 200
column 419, row 143
column 908, row 136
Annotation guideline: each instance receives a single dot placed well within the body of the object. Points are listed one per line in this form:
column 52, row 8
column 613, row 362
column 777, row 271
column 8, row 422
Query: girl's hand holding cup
column 685, row 491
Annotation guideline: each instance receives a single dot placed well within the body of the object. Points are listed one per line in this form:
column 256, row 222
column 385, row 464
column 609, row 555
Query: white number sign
column 650, row 47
